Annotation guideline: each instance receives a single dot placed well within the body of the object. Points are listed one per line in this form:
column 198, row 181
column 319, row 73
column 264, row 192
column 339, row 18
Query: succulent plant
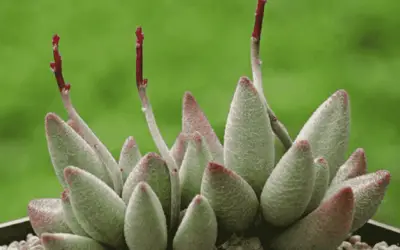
column 258, row 190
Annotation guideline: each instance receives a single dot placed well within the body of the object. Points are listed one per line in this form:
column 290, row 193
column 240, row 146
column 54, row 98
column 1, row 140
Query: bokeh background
column 310, row 48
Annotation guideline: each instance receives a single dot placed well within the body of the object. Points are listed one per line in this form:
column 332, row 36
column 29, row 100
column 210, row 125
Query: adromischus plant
column 200, row 193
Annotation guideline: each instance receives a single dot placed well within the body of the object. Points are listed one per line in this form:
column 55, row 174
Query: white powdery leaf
column 67, row 148
column 198, row 229
column 369, row 191
column 191, row 172
column 233, row 200
column 355, row 166
column 153, row 170
column 46, row 215
column 324, row 228
column 249, row 140
column 288, row 190
column 62, row 241
column 328, row 129
column 321, row 183
column 129, row 157
column 98, row 209
column 145, row 223
column 193, row 119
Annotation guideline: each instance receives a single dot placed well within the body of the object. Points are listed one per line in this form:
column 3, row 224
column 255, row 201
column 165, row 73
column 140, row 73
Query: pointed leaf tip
column 249, row 140
column 328, row 129
column 194, row 119
column 287, row 192
column 231, row 197
column 46, row 215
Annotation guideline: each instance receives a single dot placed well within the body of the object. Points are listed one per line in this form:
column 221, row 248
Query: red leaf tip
column 56, row 40
column 140, row 82
column 384, row 178
column 214, row 167
column 320, row 160
column 303, row 145
column 198, row 199
column 69, row 173
column 65, row 195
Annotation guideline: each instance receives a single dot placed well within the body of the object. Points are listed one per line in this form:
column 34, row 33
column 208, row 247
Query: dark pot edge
column 372, row 232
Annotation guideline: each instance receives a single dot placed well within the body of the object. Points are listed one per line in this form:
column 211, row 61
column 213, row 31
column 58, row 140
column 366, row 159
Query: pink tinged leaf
column 69, row 215
column 67, row 148
column 249, row 140
column 328, row 129
column 355, row 166
column 193, row 119
column 321, row 183
column 63, row 241
column 98, row 209
column 145, row 223
column 324, row 228
column 129, row 157
column 369, row 191
column 191, row 172
column 179, row 148
column 153, row 170
column 231, row 197
column 198, row 229
column 288, row 190
column 46, row 215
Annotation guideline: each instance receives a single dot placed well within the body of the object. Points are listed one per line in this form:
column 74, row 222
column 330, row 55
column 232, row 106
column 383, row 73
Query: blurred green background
column 310, row 49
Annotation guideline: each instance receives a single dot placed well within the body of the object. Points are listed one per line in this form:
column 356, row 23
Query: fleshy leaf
column 69, row 216
column 62, row 241
column 288, row 190
column 233, row 200
column 98, row 209
column 102, row 152
column 129, row 157
column 191, row 172
column 369, row 191
column 327, row 130
column 46, row 215
column 178, row 150
column 67, row 148
column 193, row 119
column 355, row 166
column 153, row 170
column 321, row 183
column 324, row 228
column 249, row 140
column 198, row 229
column 145, row 223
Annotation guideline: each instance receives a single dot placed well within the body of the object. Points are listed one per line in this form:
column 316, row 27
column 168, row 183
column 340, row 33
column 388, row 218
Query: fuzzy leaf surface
column 129, row 157
column 153, row 170
column 98, row 209
column 355, row 166
column 324, row 228
column 198, row 229
column 63, row 241
column 193, row 119
column 179, row 148
column 145, row 223
column 233, row 200
column 249, row 140
column 191, row 172
column 46, row 215
column 69, row 215
column 328, row 129
column 321, row 183
column 288, row 190
column 67, row 148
